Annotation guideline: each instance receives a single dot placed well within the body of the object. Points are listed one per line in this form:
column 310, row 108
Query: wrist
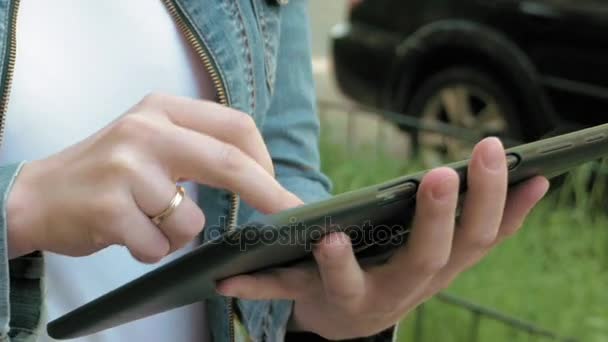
column 21, row 214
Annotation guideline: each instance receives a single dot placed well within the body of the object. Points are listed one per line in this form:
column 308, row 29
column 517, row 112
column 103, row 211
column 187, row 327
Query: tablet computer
column 377, row 219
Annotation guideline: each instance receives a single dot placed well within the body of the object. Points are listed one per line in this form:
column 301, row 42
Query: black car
column 512, row 68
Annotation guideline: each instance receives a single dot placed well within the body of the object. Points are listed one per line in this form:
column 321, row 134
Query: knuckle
column 483, row 240
column 243, row 123
column 192, row 225
column 124, row 162
column 153, row 99
column 151, row 252
column 231, row 159
column 135, row 125
column 139, row 130
column 430, row 265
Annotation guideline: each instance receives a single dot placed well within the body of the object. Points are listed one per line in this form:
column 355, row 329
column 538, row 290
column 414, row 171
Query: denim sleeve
column 20, row 279
column 291, row 132
column 291, row 129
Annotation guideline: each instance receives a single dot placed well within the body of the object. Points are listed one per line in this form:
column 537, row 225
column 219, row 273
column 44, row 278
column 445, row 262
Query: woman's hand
column 339, row 300
column 103, row 190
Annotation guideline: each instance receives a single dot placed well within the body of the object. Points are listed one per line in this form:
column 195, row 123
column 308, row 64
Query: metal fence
column 386, row 121
column 481, row 313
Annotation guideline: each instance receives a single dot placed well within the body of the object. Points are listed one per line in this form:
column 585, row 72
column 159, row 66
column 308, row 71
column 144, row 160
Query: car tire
column 467, row 98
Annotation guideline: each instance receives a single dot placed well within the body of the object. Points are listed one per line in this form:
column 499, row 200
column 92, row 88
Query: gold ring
column 175, row 201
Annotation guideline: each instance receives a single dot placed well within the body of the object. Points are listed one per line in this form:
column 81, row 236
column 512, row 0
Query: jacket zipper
column 201, row 50
column 9, row 66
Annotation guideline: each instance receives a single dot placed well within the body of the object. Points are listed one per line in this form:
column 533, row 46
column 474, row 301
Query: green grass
column 554, row 273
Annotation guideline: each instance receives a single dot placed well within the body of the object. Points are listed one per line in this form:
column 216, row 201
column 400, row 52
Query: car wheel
column 463, row 97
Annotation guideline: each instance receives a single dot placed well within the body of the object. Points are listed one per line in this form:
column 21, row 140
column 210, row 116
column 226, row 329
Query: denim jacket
column 258, row 53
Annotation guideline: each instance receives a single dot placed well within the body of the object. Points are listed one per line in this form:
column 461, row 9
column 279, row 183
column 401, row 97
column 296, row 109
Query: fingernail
column 443, row 190
column 334, row 245
column 338, row 239
column 493, row 156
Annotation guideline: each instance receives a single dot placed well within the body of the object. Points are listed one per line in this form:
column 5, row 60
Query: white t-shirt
column 80, row 64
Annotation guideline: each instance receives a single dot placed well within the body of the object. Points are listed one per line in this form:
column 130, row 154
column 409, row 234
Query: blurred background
column 406, row 85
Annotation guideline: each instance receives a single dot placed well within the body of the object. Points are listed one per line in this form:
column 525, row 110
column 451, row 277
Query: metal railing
column 406, row 123
column 480, row 313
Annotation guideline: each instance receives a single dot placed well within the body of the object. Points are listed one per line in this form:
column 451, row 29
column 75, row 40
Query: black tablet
column 377, row 219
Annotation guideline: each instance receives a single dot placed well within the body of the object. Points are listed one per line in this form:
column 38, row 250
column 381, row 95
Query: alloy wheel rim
column 461, row 105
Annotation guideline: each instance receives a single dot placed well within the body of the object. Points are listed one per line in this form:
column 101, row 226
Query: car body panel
column 563, row 41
